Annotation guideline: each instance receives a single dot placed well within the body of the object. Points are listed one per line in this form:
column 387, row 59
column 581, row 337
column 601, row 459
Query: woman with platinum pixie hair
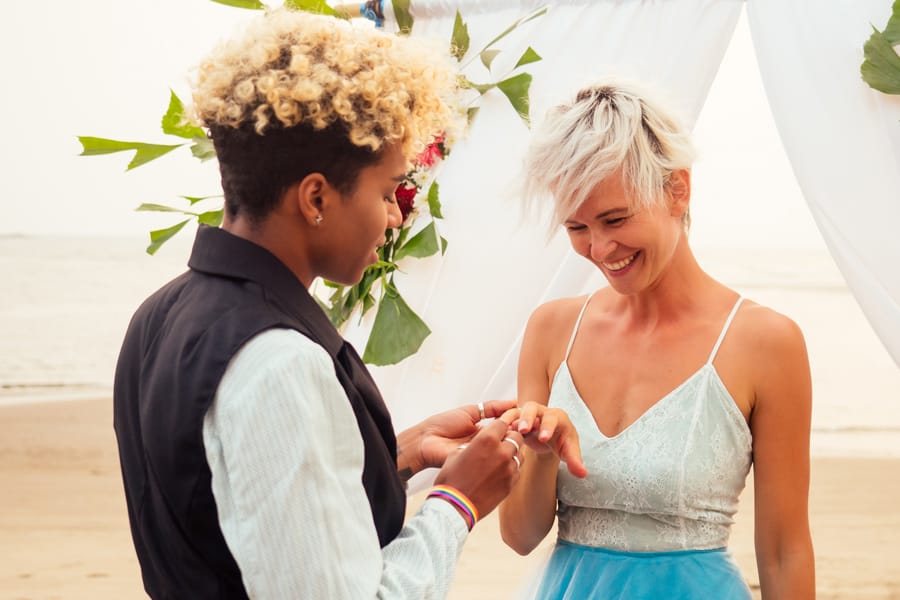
column 675, row 383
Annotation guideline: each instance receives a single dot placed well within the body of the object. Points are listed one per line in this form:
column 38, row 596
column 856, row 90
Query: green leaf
column 364, row 287
column 319, row 7
column 528, row 57
column 404, row 17
column 459, row 40
column 881, row 67
column 516, row 90
column 471, row 114
column 892, row 31
column 203, row 148
column 368, row 303
column 487, row 57
column 195, row 199
column 402, row 235
column 397, row 333
column 174, row 121
column 434, row 202
column 424, row 243
column 511, row 28
column 144, row 153
column 161, row 208
column 211, row 217
column 443, row 245
column 161, row 236
column 481, row 87
column 252, row 4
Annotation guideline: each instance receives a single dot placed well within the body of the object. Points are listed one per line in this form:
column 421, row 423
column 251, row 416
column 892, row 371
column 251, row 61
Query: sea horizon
column 67, row 300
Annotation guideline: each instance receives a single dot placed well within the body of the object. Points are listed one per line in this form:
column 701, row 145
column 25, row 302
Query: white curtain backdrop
column 842, row 138
column 477, row 298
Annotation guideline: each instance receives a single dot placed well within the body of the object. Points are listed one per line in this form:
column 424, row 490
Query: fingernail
column 523, row 427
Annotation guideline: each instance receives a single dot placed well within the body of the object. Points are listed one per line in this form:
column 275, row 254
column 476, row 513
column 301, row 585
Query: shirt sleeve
column 286, row 458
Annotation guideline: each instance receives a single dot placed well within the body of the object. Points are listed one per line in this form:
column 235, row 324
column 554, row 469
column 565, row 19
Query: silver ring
column 513, row 442
column 481, row 416
column 518, row 462
column 462, row 446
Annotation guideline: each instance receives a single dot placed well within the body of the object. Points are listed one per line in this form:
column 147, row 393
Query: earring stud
column 319, row 219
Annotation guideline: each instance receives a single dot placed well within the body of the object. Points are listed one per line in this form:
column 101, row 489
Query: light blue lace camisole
column 670, row 481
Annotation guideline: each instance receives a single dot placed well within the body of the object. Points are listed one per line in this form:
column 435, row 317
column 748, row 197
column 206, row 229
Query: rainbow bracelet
column 457, row 499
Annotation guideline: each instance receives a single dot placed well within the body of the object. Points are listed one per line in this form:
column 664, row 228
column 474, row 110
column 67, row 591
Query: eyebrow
column 604, row 214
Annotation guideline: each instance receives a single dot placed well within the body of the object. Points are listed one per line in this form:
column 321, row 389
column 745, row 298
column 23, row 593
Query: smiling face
column 353, row 223
column 631, row 244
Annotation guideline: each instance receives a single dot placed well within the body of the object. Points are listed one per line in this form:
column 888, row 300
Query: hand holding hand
column 487, row 467
column 548, row 430
column 443, row 433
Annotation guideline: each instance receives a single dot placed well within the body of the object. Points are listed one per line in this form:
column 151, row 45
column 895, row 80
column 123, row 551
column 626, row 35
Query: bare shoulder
column 547, row 333
column 772, row 342
column 551, row 316
column 770, row 331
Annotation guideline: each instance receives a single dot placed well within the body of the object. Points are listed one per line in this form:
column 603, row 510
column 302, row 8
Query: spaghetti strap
column 733, row 312
column 577, row 323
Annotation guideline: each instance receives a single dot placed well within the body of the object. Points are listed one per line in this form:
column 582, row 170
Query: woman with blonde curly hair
column 258, row 456
column 675, row 383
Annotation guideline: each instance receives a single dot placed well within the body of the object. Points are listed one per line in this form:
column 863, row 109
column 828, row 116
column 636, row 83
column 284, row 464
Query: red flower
column 432, row 153
column 406, row 197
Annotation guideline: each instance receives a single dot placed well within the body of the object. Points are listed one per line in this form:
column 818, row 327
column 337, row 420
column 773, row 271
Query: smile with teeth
column 621, row 264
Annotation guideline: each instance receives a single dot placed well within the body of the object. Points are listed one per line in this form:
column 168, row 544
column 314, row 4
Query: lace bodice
column 670, row 481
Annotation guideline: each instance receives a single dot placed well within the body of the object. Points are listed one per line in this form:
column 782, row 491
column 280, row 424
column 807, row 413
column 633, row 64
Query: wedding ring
column 462, row 446
column 513, row 442
column 518, row 462
column 481, row 411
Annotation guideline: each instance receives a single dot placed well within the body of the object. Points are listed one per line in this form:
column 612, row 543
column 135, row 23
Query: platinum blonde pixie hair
column 611, row 127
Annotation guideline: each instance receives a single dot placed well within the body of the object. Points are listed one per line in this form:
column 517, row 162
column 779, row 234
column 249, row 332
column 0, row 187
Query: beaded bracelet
column 457, row 499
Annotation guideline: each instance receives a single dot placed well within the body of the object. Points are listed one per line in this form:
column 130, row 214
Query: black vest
column 175, row 352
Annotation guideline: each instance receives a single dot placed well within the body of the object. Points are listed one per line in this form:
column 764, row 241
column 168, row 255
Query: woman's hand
column 429, row 443
column 548, row 430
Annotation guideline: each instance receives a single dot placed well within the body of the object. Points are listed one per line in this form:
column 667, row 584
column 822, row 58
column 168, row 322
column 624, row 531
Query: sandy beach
column 64, row 531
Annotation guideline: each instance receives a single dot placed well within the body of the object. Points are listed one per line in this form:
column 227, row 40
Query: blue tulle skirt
column 577, row 572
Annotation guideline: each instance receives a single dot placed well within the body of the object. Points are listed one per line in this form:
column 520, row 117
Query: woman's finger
column 528, row 417
column 549, row 422
column 494, row 408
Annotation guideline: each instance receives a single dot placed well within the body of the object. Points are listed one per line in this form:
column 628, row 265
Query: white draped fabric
column 843, row 140
column 497, row 269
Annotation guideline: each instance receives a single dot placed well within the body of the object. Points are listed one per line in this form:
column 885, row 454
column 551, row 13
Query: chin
column 345, row 280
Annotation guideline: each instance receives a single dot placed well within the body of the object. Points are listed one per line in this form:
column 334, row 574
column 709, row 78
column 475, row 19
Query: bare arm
column 780, row 423
column 527, row 514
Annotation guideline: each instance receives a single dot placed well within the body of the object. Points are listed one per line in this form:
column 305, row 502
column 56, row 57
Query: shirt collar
column 218, row 252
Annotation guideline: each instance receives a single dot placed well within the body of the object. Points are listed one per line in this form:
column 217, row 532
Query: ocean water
column 65, row 304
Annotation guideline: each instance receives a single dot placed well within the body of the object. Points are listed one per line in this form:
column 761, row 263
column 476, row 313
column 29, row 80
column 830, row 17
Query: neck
column 680, row 289
column 278, row 237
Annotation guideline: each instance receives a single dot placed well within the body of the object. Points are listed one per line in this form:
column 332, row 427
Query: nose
column 394, row 216
column 602, row 246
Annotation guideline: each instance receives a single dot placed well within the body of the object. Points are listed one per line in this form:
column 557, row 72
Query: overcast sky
column 103, row 68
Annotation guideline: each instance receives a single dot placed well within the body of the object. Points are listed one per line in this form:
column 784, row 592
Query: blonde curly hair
column 293, row 68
